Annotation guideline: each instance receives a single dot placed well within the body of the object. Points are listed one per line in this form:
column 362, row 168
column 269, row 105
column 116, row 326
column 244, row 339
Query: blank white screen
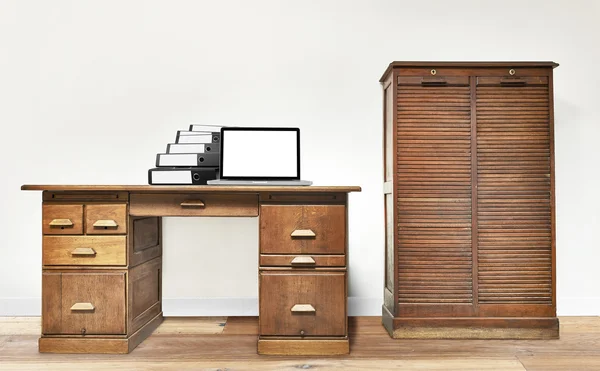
column 257, row 153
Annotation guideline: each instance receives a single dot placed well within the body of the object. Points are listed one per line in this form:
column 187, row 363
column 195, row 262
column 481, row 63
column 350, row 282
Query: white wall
column 90, row 91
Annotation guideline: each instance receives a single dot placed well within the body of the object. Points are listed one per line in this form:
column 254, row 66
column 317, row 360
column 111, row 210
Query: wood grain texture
column 109, row 250
column 166, row 204
column 145, row 239
column 277, row 222
column 144, row 299
column 280, row 290
column 371, row 348
column 309, row 347
column 187, row 189
column 106, row 291
column 116, row 212
column 286, row 260
column 56, row 211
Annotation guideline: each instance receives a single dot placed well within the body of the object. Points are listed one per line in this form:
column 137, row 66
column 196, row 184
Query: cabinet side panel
column 389, row 172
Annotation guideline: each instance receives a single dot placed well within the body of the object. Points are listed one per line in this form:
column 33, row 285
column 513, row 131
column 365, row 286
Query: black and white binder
column 186, row 136
column 182, row 176
column 205, row 128
column 187, row 159
column 192, row 147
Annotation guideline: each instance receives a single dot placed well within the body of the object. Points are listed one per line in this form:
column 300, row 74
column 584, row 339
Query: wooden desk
column 102, row 263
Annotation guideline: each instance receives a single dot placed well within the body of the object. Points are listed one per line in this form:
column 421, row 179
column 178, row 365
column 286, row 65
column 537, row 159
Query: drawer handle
column 433, row 81
column 105, row 223
column 303, row 260
column 303, row 308
column 192, row 203
column 82, row 307
column 512, row 81
column 303, row 233
column 61, row 223
column 87, row 251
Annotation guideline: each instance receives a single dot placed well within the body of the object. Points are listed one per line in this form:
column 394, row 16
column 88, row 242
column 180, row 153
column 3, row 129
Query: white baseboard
column 189, row 307
column 20, row 307
column 357, row 306
column 578, row 306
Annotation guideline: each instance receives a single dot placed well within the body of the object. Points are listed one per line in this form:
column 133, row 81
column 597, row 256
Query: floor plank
column 20, row 325
column 319, row 364
column 191, row 326
column 204, row 343
column 552, row 363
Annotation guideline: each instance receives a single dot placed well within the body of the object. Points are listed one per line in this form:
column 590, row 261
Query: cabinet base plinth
column 50, row 344
column 518, row 328
column 304, row 347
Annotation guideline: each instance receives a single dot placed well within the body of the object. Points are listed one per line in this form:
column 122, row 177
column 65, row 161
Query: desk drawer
column 302, row 229
column 306, row 303
column 193, row 204
column 84, row 250
column 62, row 219
column 302, row 261
column 83, row 303
column 106, row 219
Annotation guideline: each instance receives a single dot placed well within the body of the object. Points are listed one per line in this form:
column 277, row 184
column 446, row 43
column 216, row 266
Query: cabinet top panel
column 191, row 188
column 438, row 64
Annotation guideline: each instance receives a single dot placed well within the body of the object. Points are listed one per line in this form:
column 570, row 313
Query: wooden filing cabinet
column 469, row 200
column 102, row 263
column 303, row 275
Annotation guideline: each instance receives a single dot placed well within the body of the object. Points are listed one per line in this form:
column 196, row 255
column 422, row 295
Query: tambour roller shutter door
column 433, row 188
column 514, row 191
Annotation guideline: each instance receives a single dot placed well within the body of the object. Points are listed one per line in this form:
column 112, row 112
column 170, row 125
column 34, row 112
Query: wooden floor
column 230, row 344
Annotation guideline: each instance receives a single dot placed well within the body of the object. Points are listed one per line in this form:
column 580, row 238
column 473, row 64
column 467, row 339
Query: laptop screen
column 260, row 153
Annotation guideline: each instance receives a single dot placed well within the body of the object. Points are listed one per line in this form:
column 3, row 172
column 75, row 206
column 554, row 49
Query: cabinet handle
column 433, row 81
column 87, row 251
column 192, row 203
column 303, row 233
column 512, row 81
column 105, row 223
column 61, row 223
column 303, row 308
column 303, row 260
column 82, row 307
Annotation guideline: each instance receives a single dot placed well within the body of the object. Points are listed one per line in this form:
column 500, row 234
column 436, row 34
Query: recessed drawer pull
column 105, row 223
column 433, row 81
column 303, row 260
column 87, row 251
column 303, row 233
column 512, row 81
column 82, row 307
column 303, row 308
column 193, row 203
column 61, row 223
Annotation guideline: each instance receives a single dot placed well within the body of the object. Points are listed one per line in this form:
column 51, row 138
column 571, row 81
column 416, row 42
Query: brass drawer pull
column 303, row 308
column 105, row 223
column 87, row 251
column 61, row 223
column 303, row 233
column 303, row 260
column 193, row 203
column 82, row 307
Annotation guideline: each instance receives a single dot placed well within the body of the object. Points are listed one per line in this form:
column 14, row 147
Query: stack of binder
column 192, row 160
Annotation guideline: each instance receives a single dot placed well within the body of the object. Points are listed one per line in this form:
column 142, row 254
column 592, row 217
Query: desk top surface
column 184, row 189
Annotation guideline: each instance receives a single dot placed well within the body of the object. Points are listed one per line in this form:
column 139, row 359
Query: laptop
column 260, row 156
